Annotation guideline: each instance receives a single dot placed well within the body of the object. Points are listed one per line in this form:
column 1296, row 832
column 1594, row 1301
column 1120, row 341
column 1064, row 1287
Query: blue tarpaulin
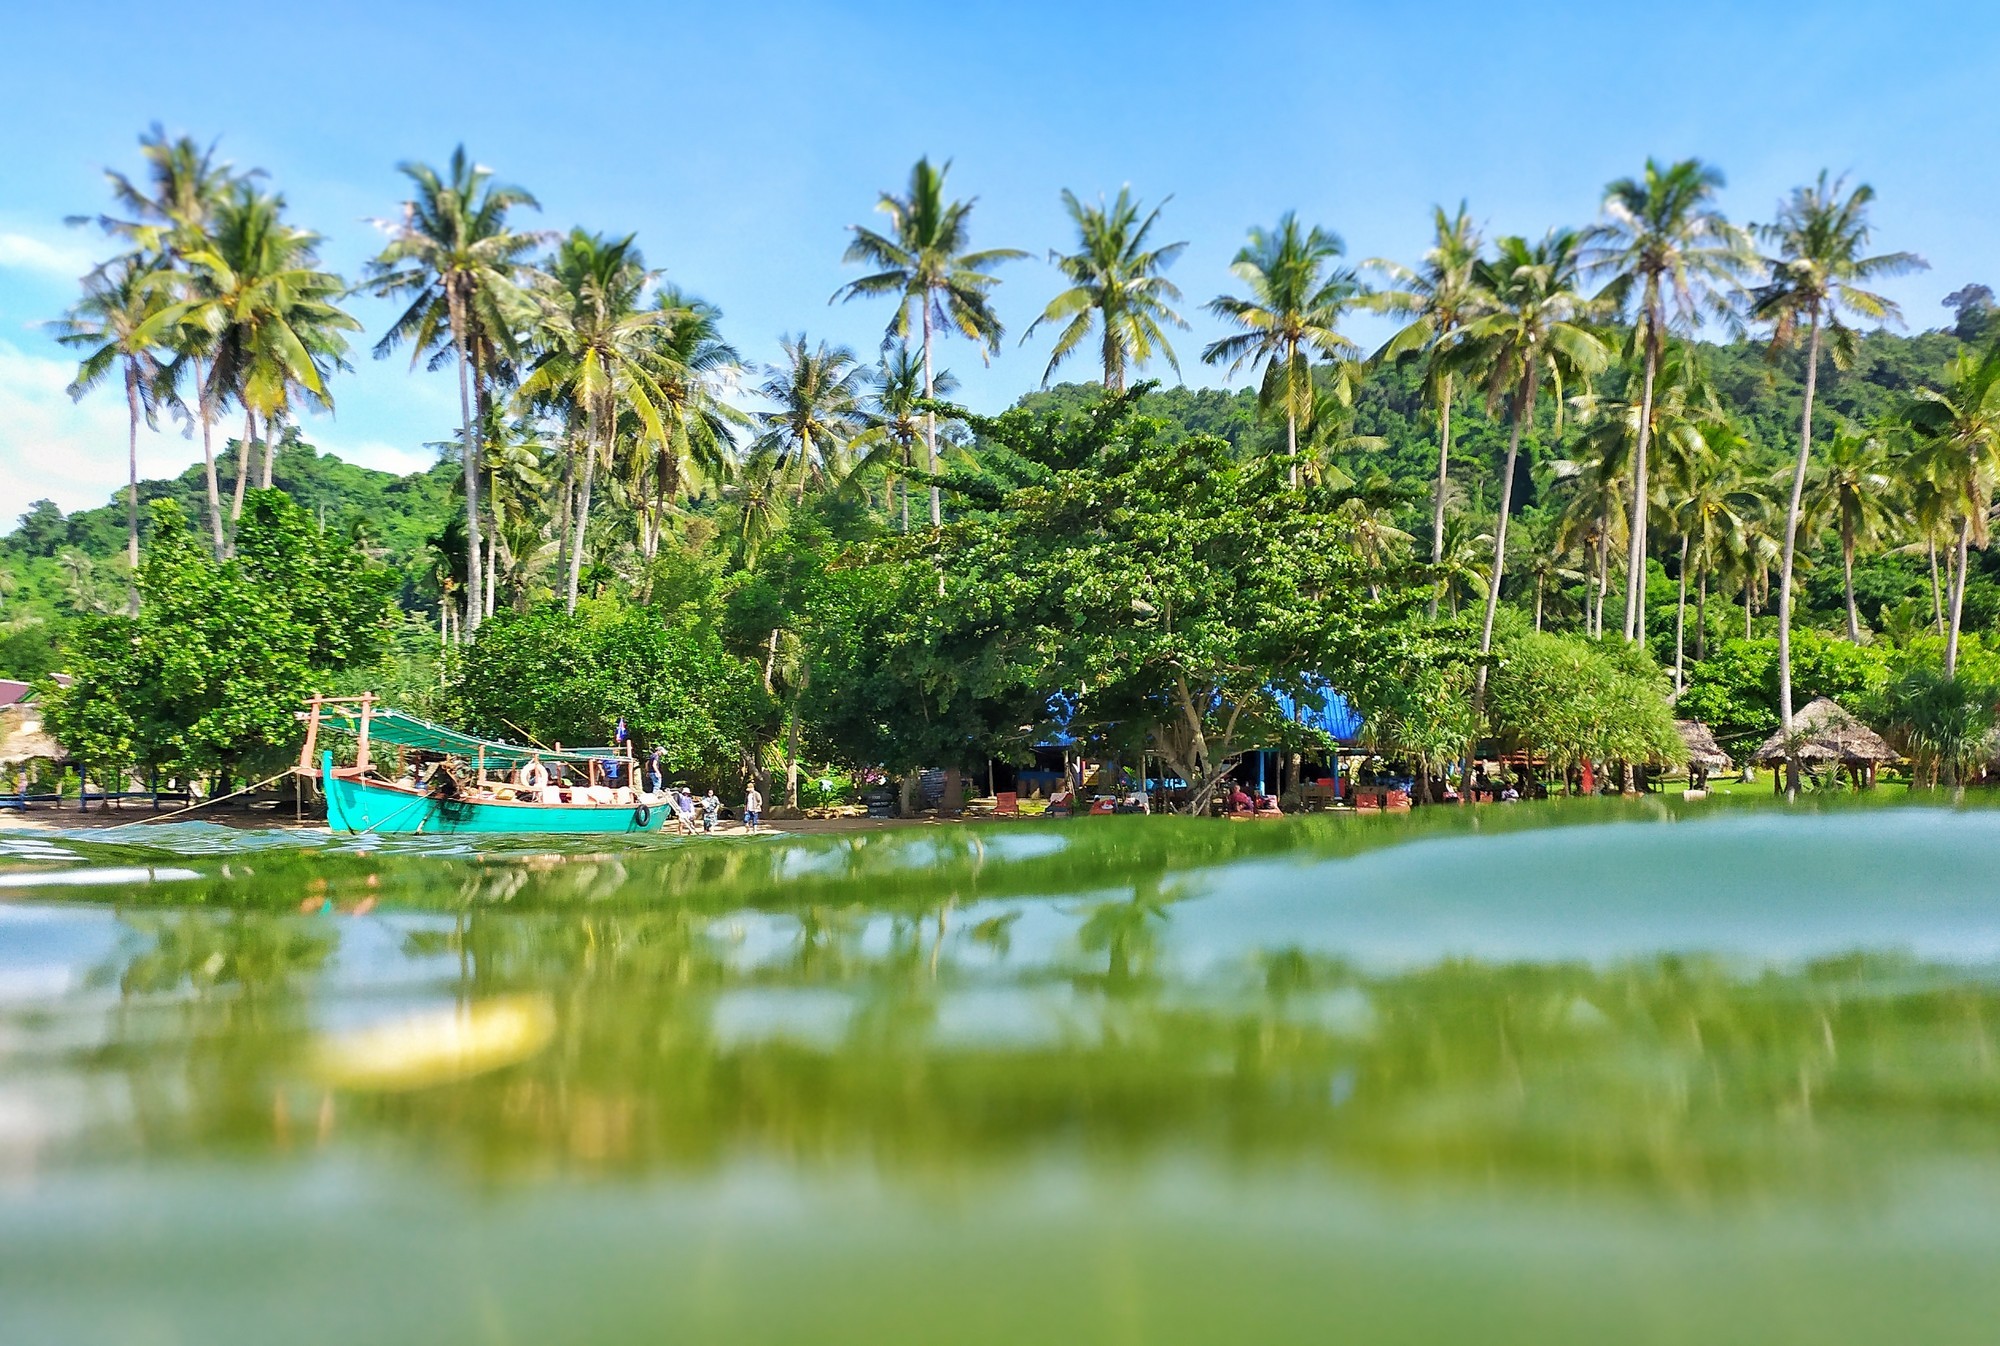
column 1321, row 707
column 1331, row 714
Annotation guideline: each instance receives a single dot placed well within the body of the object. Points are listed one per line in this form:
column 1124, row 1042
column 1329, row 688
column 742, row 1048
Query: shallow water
column 1558, row 1074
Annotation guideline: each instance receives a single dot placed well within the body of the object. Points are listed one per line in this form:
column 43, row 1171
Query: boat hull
column 364, row 806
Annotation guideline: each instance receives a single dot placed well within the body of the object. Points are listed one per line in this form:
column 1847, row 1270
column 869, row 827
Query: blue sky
column 738, row 141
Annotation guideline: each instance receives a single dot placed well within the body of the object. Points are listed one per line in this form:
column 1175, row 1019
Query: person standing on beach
column 753, row 805
column 711, row 806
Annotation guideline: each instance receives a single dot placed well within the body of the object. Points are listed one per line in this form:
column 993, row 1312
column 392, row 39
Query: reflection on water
column 1548, row 1075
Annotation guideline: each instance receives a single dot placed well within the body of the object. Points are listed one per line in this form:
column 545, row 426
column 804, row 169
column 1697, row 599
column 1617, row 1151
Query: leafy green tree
column 212, row 670
column 1115, row 286
column 1666, row 243
column 1818, row 268
column 1175, row 592
column 1293, row 312
column 454, row 254
column 1439, row 297
column 1574, row 700
column 569, row 677
column 1735, row 691
column 925, row 261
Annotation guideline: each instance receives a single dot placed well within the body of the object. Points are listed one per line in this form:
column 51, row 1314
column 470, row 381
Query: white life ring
column 534, row 775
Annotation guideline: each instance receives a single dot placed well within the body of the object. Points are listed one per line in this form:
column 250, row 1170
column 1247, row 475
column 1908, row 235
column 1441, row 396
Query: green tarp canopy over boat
column 393, row 727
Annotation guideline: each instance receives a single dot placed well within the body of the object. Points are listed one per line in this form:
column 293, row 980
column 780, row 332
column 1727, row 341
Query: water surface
column 1552, row 1075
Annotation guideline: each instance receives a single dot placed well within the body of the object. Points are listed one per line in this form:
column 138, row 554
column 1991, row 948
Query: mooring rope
column 162, row 817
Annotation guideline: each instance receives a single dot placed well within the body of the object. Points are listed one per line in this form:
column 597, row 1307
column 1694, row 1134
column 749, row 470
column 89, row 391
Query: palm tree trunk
column 1603, row 572
column 273, row 427
column 1524, row 408
column 568, row 499
column 243, row 452
column 583, row 508
column 1749, row 598
column 1957, row 599
column 206, row 412
column 771, row 660
column 1292, row 445
column 1680, row 624
column 930, row 421
column 1791, row 549
column 474, row 585
column 1541, row 583
column 1701, row 617
column 1635, row 550
column 1443, row 480
column 1847, row 577
column 132, row 486
column 792, row 760
column 1937, row 595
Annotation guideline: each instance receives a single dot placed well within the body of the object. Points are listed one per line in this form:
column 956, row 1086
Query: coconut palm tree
column 275, row 317
column 453, row 254
column 1115, row 287
column 1956, row 428
column 896, row 415
column 1818, row 266
column 1852, row 487
column 119, row 325
column 601, row 354
column 1594, row 510
column 1665, row 243
column 1468, row 553
column 925, row 262
column 1438, row 296
column 165, row 216
column 816, row 413
column 1293, row 312
column 696, row 369
column 1531, row 332
column 760, row 504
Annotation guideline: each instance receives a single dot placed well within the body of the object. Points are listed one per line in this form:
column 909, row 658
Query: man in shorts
column 753, row 807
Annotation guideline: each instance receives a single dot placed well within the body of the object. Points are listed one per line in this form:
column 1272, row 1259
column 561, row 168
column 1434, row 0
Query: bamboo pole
column 367, row 713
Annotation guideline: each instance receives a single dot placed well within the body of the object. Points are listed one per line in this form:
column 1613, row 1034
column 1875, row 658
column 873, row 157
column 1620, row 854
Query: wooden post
column 482, row 766
column 312, row 735
column 361, row 753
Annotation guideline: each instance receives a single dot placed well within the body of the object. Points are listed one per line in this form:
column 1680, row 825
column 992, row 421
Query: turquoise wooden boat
column 449, row 782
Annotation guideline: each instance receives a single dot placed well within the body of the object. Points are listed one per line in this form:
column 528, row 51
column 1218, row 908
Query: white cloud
column 373, row 453
column 60, row 261
column 75, row 452
column 71, row 452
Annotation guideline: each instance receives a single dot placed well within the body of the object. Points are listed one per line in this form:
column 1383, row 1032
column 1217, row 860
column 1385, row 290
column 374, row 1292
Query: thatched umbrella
column 1703, row 750
column 1827, row 735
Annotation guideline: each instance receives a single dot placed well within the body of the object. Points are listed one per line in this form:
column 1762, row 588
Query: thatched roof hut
column 1703, row 750
column 23, row 737
column 1829, row 735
